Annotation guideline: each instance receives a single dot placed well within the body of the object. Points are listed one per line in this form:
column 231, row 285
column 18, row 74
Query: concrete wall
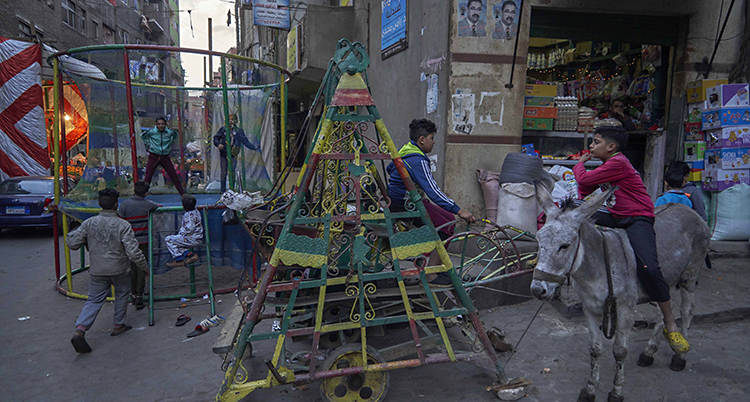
column 396, row 83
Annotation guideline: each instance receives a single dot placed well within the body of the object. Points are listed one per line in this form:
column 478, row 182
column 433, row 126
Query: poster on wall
column 292, row 48
column 463, row 117
column 472, row 18
column 506, row 19
column 271, row 13
column 432, row 93
column 393, row 24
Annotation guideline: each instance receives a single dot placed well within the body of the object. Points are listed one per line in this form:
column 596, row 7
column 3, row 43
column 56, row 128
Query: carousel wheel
column 369, row 386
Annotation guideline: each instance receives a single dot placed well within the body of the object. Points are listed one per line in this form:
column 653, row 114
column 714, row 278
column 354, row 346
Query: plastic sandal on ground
column 200, row 329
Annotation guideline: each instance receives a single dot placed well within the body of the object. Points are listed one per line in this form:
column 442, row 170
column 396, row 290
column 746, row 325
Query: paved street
column 158, row 364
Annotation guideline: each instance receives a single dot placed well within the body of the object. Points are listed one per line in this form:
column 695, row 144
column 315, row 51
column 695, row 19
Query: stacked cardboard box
column 539, row 109
column 726, row 124
column 695, row 136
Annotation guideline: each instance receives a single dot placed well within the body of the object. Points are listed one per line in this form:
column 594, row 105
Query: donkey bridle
column 609, row 318
column 554, row 278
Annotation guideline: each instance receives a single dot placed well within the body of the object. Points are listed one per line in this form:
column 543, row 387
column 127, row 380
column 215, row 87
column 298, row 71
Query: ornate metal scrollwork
column 353, row 291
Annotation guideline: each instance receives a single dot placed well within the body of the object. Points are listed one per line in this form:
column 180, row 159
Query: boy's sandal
column 676, row 341
column 209, row 322
column 175, row 264
column 199, row 330
column 182, row 320
column 218, row 319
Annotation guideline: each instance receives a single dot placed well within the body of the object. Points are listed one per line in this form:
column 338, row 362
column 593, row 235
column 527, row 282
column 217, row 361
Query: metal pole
column 208, row 261
column 114, row 130
column 242, row 149
column 204, row 72
column 56, row 164
column 63, row 136
column 131, row 122
column 150, row 269
column 227, row 129
column 210, row 58
column 180, row 134
column 59, row 137
column 282, row 128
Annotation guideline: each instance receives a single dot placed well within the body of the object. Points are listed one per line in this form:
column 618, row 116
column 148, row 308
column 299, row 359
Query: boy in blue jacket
column 422, row 136
column 673, row 182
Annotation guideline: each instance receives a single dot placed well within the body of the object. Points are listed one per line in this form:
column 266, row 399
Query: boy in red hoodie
column 630, row 209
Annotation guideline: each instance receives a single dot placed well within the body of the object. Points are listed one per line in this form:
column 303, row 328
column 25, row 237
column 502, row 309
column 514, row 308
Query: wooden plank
column 225, row 341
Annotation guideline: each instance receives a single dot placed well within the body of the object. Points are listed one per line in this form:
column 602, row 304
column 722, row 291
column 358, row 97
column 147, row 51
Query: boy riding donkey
column 630, row 209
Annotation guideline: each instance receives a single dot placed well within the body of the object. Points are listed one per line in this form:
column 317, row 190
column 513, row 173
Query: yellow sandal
column 676, row 341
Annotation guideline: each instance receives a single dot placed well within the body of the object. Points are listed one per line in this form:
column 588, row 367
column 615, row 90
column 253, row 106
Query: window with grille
column 83, row 22
column 69, row 12
column 95, row 29
column 24, row 29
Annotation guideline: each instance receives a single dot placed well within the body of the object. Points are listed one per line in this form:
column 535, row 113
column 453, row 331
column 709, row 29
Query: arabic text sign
column 393, row 23
column 271, row 13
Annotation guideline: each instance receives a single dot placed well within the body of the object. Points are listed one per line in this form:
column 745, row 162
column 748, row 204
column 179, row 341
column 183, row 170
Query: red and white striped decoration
column 23, row 137
column 77, row 120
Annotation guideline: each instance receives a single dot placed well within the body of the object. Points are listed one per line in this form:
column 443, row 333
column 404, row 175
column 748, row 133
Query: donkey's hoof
column 678, row 363
column 645, row 360
column 613, row 398
column 584, row 396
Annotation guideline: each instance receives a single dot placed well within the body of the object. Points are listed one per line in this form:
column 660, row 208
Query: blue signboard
column 271, row 13
column 393, row 27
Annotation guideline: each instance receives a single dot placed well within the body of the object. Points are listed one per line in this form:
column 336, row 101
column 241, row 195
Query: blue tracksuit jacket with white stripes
column 418, row 166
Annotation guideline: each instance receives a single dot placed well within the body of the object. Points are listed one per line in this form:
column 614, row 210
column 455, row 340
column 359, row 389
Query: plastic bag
column 229, row 217
column 729, row 216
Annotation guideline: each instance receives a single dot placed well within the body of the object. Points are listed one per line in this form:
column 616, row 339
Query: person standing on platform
column 238, row 138
column 159, row 142
column 135, row 210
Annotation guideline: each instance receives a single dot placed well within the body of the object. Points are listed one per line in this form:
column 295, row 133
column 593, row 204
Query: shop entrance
column 618, row 66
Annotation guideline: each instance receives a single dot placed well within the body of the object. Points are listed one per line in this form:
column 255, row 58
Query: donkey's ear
column 544, row 199
column 591, row 206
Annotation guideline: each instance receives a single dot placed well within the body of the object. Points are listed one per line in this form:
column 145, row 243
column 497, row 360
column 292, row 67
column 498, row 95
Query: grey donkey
column 570, row 245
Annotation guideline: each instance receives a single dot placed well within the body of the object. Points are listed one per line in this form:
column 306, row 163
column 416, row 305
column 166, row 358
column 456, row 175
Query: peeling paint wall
column 481, row 72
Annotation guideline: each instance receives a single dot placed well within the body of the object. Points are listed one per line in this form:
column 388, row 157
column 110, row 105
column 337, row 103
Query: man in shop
column 471, row 25
column 159, row 142
column 238, row 139
column 505, row 27
column 617, row 111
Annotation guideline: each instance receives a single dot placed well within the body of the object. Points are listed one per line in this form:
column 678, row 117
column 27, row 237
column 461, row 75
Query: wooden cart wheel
column 369, row 386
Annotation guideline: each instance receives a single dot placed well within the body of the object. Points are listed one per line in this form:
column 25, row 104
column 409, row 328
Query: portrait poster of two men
column 472, row 18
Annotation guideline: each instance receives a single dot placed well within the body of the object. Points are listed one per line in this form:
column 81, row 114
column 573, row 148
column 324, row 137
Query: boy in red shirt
column 631, row 209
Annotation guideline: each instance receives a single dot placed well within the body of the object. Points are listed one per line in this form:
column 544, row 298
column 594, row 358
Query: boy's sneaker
column 175, row 264
column 139, row 305
column 191, row 258
column 79, row 342
column 118, row 330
